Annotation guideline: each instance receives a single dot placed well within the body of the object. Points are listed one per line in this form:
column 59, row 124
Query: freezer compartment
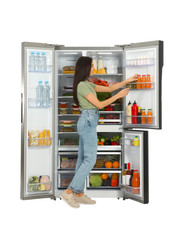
column 64, row 179
column 108, row 161
column 67, row 160
column 104, row 180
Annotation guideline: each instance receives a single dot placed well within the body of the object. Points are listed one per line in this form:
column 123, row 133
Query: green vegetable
column 95, row 180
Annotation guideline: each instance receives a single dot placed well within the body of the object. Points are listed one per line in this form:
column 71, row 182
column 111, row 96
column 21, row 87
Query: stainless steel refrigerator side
column 25, row 46
column 159, row 64
column 22, row 170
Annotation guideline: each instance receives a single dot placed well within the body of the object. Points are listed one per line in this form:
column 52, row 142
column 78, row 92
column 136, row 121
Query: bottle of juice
column 136, row 141
column 134, row 113
column 135, row 182
column 148, row 81
column 138, row 81
column 129, row 113
column 143, row 117
column 149, row 117
column 139, row 115
column 144, row 81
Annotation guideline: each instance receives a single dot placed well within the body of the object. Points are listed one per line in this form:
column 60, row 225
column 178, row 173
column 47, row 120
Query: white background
column 94, row 23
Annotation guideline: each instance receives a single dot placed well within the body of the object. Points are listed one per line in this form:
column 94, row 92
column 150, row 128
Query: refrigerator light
column 104, row 53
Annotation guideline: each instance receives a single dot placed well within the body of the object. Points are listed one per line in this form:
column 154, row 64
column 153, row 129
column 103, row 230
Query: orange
column 108, row 164
column 115, row 164
column 104, row 176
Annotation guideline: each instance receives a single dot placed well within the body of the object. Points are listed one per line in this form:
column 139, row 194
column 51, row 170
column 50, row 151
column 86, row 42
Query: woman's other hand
column 123, row 93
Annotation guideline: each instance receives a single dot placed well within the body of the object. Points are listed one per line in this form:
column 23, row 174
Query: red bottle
column 134, row 112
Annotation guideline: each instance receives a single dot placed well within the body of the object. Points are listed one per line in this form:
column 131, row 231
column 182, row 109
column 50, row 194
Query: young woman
column 84, row 93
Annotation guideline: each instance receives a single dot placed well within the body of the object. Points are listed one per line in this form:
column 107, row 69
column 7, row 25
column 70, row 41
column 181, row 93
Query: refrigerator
column 49, row 138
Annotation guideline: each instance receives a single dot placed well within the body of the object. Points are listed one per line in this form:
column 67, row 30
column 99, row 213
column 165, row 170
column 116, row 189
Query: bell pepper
column 114, row 182
column 100, row 143
column 115, row 143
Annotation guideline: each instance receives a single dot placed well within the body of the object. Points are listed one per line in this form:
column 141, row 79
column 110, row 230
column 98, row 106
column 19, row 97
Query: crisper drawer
column 64, row 179
column 104, row 180
column 108, row 161
column 67, row 160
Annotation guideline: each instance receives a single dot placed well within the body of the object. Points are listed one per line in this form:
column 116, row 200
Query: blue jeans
column 86, row 128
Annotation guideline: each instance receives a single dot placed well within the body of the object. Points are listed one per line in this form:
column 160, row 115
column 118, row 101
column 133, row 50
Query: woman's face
column 92, row 68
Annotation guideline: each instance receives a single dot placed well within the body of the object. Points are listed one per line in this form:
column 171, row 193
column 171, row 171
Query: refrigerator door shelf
column 48, row 69
column 139, row 62
column 32, row 103
column 39, row 142
column 131, row 190
column 36, row 188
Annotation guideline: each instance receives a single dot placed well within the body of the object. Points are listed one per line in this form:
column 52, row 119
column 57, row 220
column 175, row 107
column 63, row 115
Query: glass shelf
column 49, row 69
column 141, row 62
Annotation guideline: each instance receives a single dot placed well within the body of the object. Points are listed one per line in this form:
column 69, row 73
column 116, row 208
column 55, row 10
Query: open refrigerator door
column 135, row 166
column 145, row 60
column 37, row 121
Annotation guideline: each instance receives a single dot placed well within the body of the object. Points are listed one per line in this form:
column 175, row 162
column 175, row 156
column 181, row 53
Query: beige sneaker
column 85, row 199
column 70, row 199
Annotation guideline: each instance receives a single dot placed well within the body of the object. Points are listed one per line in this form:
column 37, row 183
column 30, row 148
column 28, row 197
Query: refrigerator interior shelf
column 32, row 103
column 103, row 188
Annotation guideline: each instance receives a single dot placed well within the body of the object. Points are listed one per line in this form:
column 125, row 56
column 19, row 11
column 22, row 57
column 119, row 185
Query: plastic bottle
column 39, row 94
column 134, row 112
column 43, row 65
column 32, row 62
column 37, row 62
column 143, row 117
column 100, row 63
column 129, row 113
column 136, row 141
column 139, row 115
column 128, row 175
column 46, row 94
column 150, row 117
column 124, row 174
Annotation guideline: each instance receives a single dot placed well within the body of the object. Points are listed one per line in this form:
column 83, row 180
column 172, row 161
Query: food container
column 63, row 104
column 68, row 87
column 67, row 128
column 63, row 110
column 68, row 162
column 75, row 110
column 66, row 179
column 112, row 69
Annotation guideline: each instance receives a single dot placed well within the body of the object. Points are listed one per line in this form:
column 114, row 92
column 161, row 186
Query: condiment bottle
column 143, row 81
column 100, row 63
column 138, row 81
column 149, row 117
column 143, row 117
column 139, row 115
column 95, row 62
column 124, row 174
column 128, row 175
column 134, row 113
column 148, row 81
column 129, row 113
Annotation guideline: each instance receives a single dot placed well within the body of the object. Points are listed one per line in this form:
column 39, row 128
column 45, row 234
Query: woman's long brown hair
column 82, row 73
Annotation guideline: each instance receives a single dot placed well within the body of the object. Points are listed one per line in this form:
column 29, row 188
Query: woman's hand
column 123, row 93
column 132, row 79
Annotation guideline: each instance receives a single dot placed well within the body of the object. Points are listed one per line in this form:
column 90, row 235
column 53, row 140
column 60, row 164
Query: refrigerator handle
column 21, row 107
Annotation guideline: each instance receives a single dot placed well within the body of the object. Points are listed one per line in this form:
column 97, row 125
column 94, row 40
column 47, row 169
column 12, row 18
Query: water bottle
column 32, row 62
column 46, row 94
column 39, row 94
column 37, row 62
column 43, row 62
